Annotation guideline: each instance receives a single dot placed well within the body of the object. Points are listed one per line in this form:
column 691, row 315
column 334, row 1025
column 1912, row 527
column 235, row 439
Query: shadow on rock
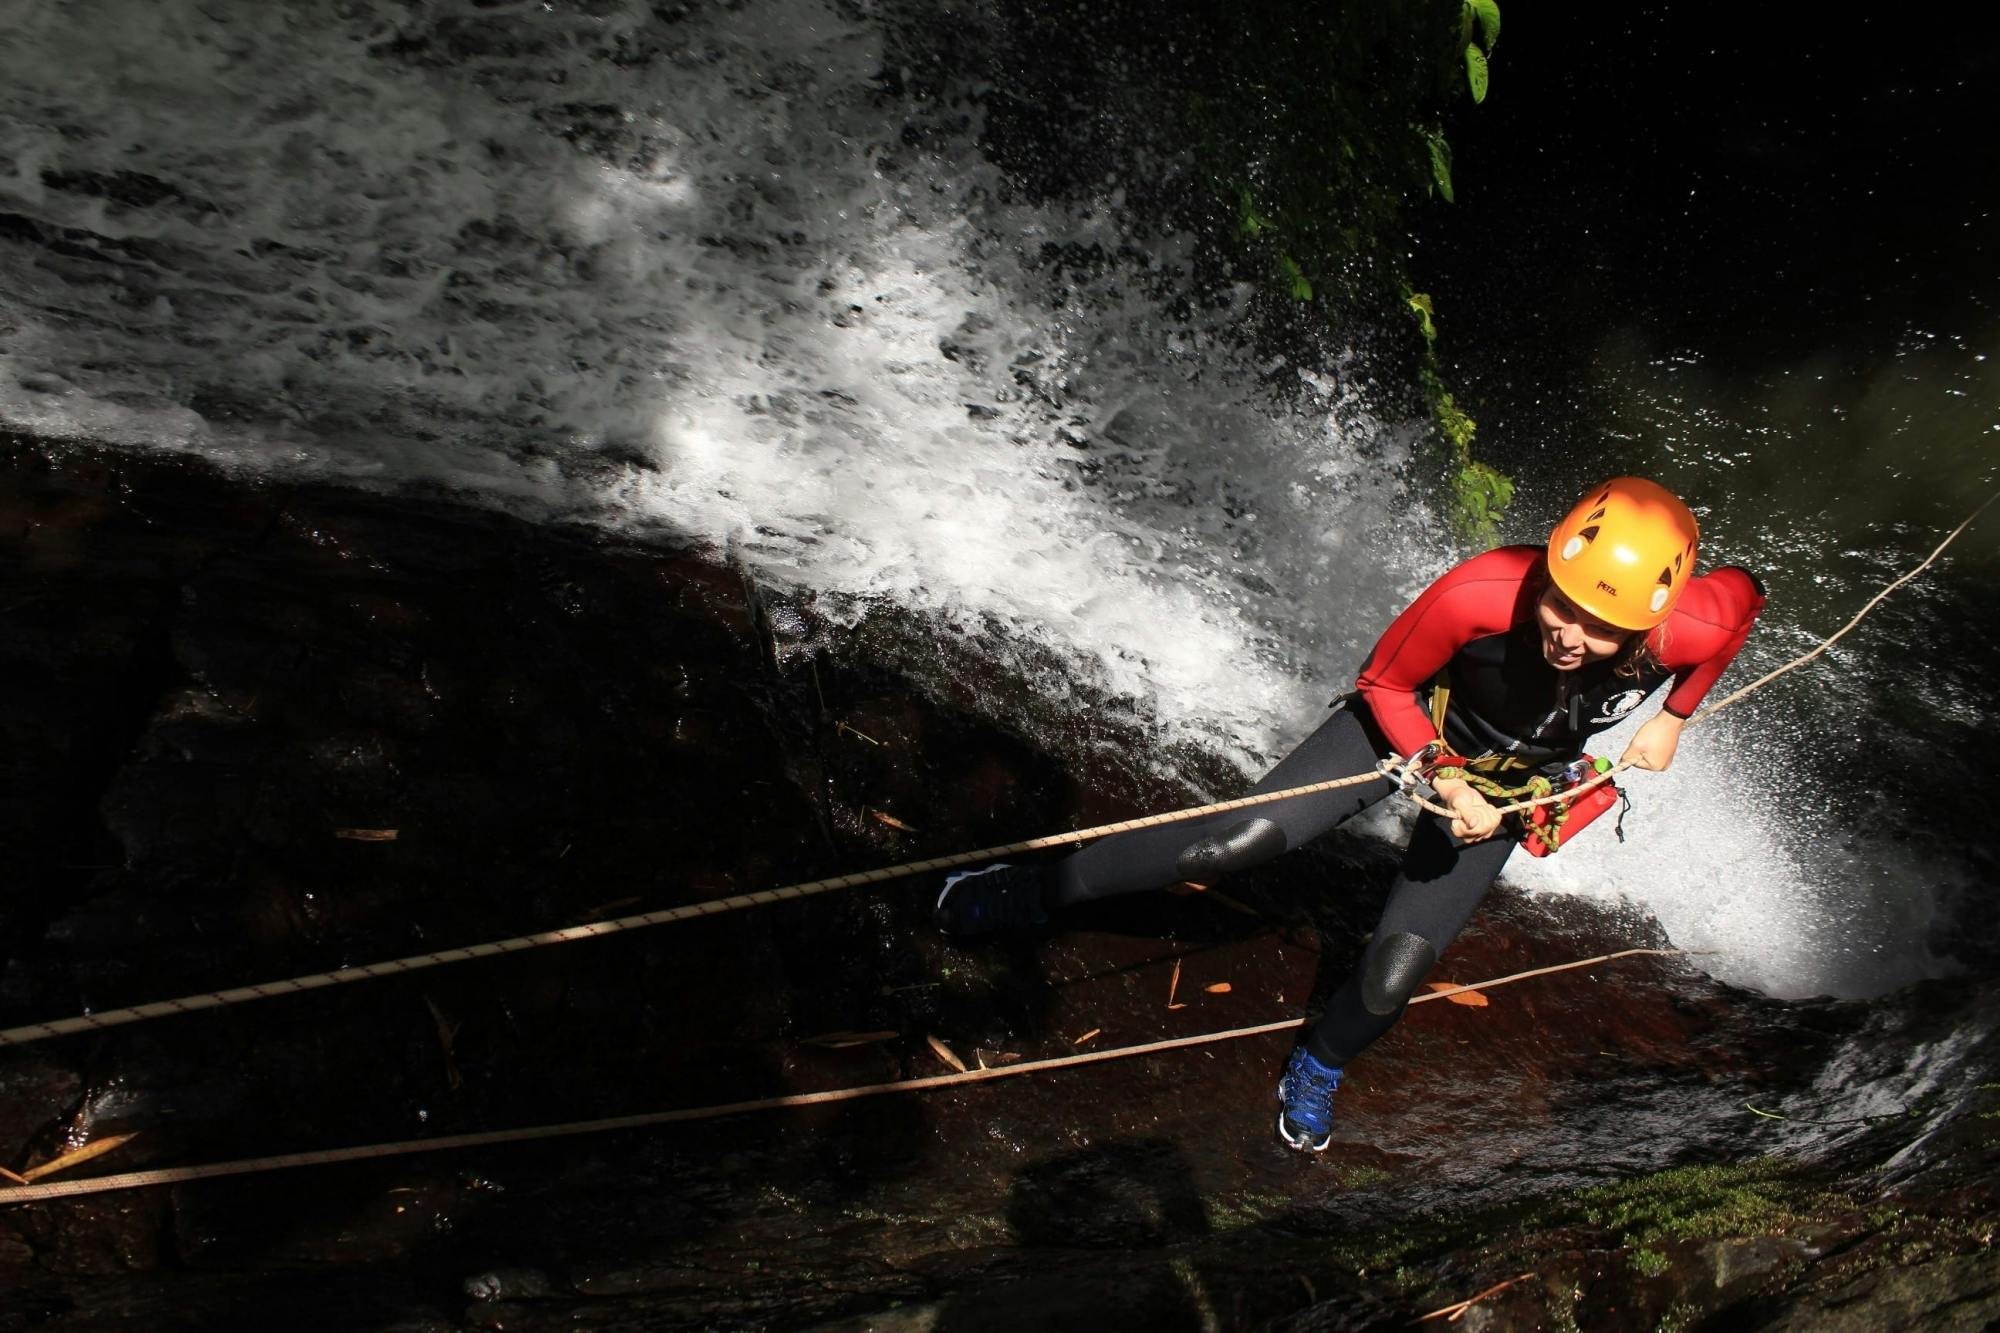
column 1122, row 1196
column 1130, row 1199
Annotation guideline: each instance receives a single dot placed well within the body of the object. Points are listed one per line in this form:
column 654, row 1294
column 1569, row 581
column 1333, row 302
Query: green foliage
column 1321, row 123
column 1321, row 126
column 1483, row 16
column 1228, row 1212
column 1249, row 222
column 1360, row 1177
column 1487, row 14
column 1452, row 421
column 1647, row 1263
column 1478, row 493
column 1699, row 1203
column 1679, row 1318
column 1426, row 319
column 1440, row 156
column 1295, row 277
column 1480, row 496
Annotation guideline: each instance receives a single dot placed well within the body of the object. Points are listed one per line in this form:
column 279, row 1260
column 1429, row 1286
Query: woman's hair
column 1640, row 654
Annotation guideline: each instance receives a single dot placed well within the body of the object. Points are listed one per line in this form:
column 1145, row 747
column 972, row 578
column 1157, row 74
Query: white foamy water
column 1731, row 857
column 709, row 276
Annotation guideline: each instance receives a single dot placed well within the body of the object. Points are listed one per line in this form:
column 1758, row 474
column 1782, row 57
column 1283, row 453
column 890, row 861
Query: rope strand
column 1394, row 769
column 255, row 1165
column 1835, row 637
column 18, row 1036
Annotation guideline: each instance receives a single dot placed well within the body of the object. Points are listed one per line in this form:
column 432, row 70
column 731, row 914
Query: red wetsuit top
column 1478, row 621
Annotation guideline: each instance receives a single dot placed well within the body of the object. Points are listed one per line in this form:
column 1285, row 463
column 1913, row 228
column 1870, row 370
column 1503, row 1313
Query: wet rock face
column 257, row 732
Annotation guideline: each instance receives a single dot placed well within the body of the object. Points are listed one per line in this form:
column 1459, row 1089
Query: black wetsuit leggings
column 1434, row 895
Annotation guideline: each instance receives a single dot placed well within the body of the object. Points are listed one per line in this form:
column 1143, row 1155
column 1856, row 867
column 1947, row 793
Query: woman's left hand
column 1473, row 817
column 1653, row 745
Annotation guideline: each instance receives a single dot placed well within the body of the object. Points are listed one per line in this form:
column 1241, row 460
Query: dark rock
column 507, row 1284
column 1954, row 1293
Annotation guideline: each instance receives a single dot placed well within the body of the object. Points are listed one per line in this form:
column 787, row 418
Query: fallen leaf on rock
column 946, row 1054
column 366, row 834
column 1455, row 1311
column 1219, row 988
column 447, row 1031
column 884, row 817
column 602, row 910
column 69, row 1159
column 1181, row 1005
column 1174, row 984
column 1470, row 998
column 1086, row 1036
column 996, row 1059
column 1188, row 886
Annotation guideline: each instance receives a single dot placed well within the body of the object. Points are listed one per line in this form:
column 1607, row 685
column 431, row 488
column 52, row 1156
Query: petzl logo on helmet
column 1618, row 705
column 1607, row 587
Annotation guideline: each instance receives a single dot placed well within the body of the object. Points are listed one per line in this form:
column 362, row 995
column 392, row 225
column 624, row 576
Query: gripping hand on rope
column 1473, row 817
column 1654, row 744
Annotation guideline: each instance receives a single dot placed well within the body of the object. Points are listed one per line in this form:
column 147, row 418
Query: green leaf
column 1475, row 72
column 1493, row 490
column 1479, row 499
column 1457, row 425
column 1488, row 14
column 1249, row 222
column 1302, row 289
column 1440, row 163
column 1421, row 303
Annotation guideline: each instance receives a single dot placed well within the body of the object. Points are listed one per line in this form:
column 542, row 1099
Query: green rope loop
column 1532, row 790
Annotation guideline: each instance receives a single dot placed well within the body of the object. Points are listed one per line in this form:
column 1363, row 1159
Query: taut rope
column 250, row 1166
column 1396, row 770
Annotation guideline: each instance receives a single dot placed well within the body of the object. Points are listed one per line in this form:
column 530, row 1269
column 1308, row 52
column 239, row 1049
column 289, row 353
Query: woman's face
column 1569, row 637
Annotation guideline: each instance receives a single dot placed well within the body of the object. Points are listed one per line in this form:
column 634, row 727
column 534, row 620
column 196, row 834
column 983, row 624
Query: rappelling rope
column 250, row 1166
column 598, row 929
column 1404, row 773
column 1835, row 637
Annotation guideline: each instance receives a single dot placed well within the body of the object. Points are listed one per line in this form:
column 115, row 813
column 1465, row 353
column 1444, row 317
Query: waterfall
column 709, row 273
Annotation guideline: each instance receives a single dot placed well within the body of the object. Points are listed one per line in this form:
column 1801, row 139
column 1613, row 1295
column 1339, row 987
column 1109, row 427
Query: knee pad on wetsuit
column 1236, row 847
column 1394, row 969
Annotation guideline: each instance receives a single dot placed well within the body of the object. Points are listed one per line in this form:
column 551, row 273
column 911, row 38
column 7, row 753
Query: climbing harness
column 1541, row 829
column 1544, row 829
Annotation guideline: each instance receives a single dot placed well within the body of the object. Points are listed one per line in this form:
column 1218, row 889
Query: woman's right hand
column 1474, row 818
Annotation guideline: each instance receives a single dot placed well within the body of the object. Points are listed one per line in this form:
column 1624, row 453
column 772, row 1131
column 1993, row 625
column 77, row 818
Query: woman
column 1512, row 660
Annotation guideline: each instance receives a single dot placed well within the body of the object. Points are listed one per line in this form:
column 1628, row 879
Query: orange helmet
column 1625, row 553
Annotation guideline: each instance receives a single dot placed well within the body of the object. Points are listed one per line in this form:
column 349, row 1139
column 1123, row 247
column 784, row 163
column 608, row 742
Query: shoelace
column 1314, row 1096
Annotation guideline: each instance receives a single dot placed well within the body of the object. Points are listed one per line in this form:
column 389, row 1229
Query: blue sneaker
column 1305, row 1102
column 995, row 897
